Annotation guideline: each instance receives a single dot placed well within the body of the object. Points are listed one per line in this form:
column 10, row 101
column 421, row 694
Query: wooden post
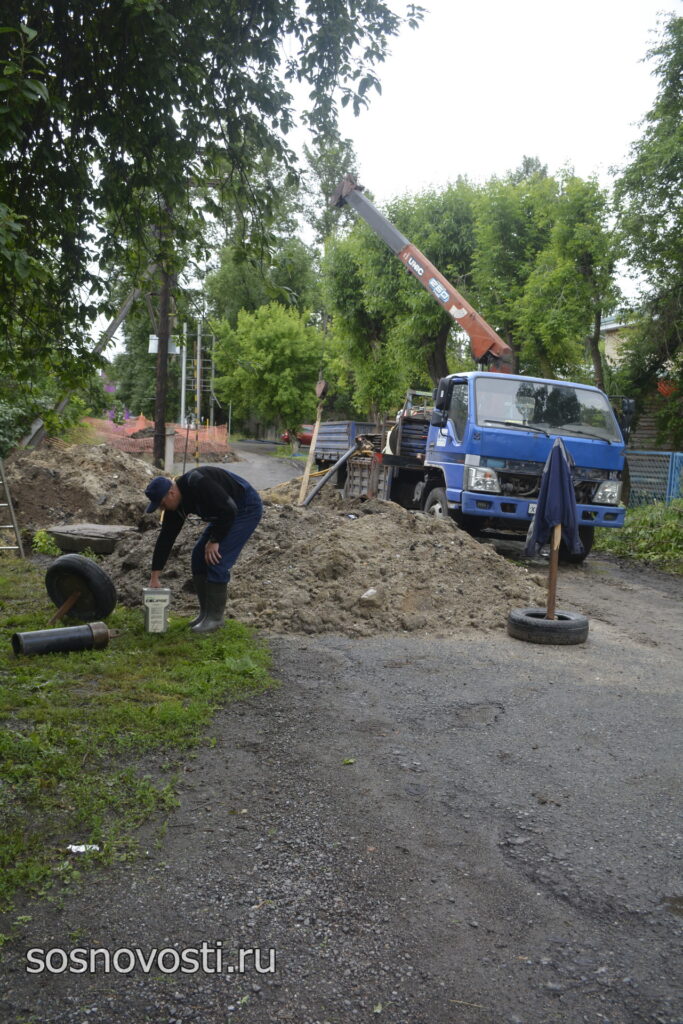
column 552, row 572
column 66, row 607
column 311, row 455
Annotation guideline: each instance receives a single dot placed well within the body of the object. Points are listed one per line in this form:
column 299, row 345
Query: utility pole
column 198, row 379
column 162, row 370
column 183, row 376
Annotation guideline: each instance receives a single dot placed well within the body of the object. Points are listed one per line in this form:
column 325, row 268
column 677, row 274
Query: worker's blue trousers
column 249, row 514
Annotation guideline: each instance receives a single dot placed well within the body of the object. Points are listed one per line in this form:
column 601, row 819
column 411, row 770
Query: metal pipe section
column 94, row 635
column 333, row 469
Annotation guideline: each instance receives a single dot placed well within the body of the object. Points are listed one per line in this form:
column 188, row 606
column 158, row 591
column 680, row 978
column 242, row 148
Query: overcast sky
column 483, row 83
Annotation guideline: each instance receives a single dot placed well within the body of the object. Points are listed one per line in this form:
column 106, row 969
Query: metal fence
column 655, row 476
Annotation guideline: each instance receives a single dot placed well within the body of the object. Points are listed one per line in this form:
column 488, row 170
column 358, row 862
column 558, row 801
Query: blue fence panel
column 650, row 474
column 675, row 489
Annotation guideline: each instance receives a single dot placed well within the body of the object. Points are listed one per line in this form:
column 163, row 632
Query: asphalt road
column 258, row 464
column 460, row 830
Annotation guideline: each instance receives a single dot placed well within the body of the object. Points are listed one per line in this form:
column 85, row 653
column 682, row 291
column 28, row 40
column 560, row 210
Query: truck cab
column 488, row 439
column 486, row 443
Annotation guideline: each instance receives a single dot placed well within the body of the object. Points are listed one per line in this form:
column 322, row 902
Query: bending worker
column 230, row 506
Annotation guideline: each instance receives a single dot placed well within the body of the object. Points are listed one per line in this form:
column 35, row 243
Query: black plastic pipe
column 330, row 473
column 67, row 638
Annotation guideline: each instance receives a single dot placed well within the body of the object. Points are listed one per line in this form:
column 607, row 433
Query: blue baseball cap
column 155, row 490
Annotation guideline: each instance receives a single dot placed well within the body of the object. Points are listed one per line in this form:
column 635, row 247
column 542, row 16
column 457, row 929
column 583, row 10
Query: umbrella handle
column 552, row 572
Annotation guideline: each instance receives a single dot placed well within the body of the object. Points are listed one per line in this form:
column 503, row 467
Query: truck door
column 446, row 445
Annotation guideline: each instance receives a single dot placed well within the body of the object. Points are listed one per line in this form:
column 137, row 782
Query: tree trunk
column 437, row 363
column 596, row 355
column 162, row 371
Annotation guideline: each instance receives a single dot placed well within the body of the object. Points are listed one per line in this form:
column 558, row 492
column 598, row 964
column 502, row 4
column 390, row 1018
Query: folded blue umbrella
column 556, row 504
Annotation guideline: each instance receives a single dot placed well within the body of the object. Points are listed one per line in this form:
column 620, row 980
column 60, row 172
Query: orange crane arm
column 486, row 346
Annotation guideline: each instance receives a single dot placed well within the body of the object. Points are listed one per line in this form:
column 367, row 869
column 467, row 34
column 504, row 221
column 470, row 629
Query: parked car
column 304, row 434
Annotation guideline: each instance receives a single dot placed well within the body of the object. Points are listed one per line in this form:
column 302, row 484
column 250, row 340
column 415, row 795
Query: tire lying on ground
column 71, row 573
column 531, row 624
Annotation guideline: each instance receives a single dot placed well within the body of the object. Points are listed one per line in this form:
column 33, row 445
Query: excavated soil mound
column 81, row 483
column 288, row 493
column 358, row 569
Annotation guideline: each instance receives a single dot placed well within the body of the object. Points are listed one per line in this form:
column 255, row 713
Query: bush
column 652, row 533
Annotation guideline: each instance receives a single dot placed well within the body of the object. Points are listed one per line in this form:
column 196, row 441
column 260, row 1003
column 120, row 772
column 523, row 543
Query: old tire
column 586, row 535
column 531, row 624
column 437, row 504
column 75, row 572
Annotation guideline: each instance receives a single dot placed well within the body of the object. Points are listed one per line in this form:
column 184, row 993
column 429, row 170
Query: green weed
column 44, row 543
column 652, row 533
column 74, row 729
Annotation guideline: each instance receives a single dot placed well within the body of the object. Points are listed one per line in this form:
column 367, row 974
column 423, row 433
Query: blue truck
column 478, row 452
column 475, row 448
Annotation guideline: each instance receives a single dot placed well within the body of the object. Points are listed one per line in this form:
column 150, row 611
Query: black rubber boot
column 200, row 590
column 214, row 618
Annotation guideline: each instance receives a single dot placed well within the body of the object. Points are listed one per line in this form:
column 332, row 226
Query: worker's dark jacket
column 209, row 492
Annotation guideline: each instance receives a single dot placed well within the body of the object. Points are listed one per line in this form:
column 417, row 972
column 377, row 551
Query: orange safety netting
column 206, row 440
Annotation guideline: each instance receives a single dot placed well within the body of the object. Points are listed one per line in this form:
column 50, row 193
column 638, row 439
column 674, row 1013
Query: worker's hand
column 212, row 555
column 154, row 580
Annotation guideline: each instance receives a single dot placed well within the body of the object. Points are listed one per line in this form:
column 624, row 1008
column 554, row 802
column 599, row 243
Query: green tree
column 288, row 276
column 327, row 163
column 147, row 103
column 360, row 329
column 571, row 286
column 649, row 199
column 268, row 365
column 134, row 370
column 513, row 221
column 395, row 335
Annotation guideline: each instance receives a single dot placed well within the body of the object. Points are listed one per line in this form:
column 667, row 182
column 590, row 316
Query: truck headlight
column 481, row 478
column 608, row 493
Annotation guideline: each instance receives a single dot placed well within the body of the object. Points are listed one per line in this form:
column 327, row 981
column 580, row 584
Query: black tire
column 437, row 504
column 531, row 624
column 75, row 572
column 586, row 535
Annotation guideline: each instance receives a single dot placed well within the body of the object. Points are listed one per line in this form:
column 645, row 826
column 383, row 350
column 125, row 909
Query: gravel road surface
column 468, row 829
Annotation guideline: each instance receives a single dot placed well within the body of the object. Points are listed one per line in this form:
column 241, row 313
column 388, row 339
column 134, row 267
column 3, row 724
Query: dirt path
column 426, row 830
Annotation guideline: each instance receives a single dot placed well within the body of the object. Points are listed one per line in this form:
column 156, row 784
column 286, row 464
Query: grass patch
column 652, row 533
column 74, row 729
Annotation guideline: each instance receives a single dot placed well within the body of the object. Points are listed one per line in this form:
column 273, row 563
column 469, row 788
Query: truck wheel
column 437, row 504
column 586, row 534
column 70, row 573
column 531, row 624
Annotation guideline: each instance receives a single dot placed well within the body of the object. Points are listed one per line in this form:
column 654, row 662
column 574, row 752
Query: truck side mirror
column 628, row 411
column 442, row 394
column 439, row 418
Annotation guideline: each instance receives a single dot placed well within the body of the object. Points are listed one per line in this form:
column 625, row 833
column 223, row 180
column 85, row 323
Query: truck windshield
column 557, row 408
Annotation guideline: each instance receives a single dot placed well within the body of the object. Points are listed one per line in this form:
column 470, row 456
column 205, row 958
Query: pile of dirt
column 80, row 483
column 357, row 568
column 288, row 493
